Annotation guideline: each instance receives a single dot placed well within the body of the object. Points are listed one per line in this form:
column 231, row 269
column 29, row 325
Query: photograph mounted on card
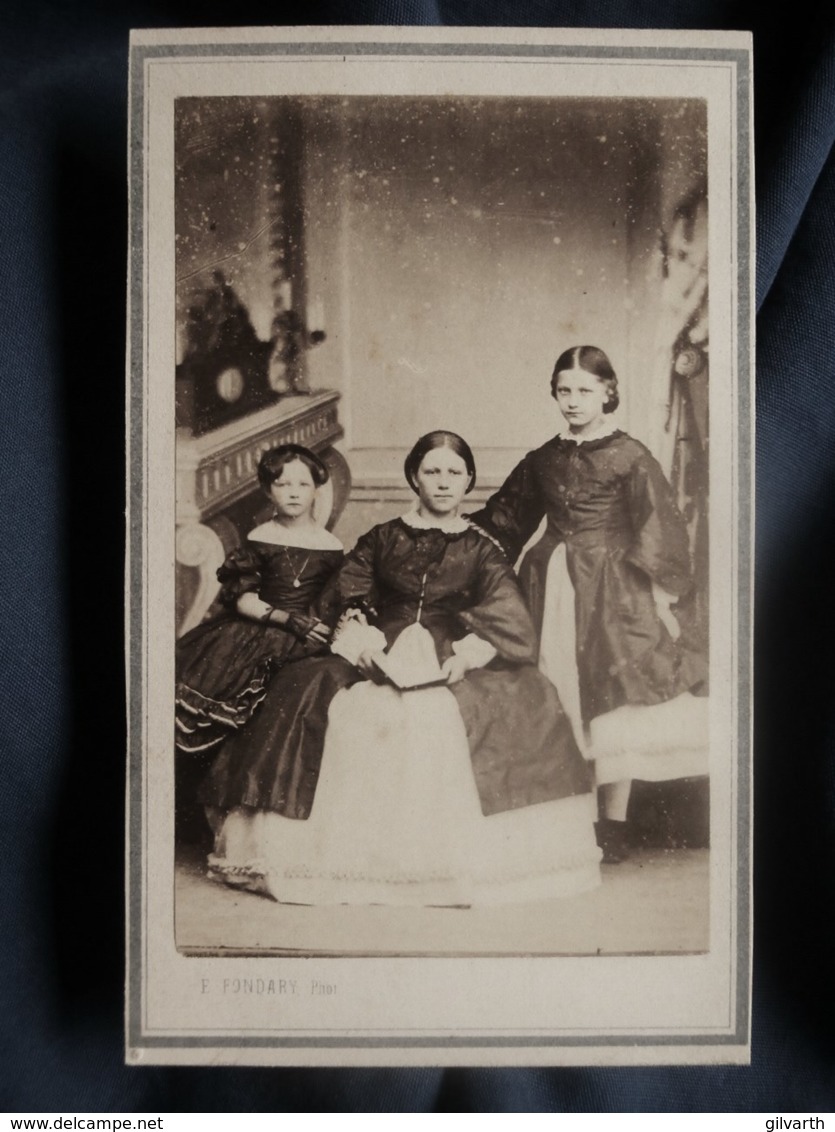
column 439, row 587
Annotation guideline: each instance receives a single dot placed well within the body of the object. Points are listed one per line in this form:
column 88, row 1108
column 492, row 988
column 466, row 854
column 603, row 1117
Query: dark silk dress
column 608, row 501
column 521, row 743
column 225, row 664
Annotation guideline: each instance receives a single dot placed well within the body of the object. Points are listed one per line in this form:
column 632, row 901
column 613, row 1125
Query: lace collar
column 419, row 522
column 608, row 428
column 310, row 538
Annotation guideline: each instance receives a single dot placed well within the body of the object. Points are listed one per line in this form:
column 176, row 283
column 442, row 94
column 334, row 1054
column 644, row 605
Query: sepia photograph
column 439, row 579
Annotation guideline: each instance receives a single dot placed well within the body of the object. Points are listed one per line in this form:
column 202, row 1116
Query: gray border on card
column 139, row 54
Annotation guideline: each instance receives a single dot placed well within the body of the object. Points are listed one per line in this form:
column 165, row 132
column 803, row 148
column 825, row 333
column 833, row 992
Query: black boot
column 613, row 839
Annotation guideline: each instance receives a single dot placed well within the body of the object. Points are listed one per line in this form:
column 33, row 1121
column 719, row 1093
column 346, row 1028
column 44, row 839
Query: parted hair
column 440, row 438
column 275, row 460
column 594, row 361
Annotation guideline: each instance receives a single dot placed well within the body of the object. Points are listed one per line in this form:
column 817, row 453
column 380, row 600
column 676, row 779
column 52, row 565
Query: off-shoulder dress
column 225, row 664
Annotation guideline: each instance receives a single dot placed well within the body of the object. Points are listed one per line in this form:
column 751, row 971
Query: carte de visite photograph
column 439, row 589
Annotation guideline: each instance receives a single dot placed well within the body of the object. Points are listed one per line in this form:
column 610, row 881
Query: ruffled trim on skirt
column 202, row 723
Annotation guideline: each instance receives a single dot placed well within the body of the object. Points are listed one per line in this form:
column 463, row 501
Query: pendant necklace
column 296, row 577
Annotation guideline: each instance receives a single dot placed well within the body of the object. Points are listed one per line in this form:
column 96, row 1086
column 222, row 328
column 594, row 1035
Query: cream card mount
column 343, row 238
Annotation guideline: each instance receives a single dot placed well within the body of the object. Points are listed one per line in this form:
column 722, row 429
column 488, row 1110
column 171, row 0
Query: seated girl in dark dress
column 268, row 586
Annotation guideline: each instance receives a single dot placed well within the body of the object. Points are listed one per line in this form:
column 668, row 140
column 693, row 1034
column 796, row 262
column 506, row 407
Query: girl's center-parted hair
column 594, row 361
column 275, row 460
column 440, row 438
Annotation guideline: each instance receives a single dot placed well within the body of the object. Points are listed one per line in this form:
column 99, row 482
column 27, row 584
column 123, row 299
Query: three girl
column 476, row 791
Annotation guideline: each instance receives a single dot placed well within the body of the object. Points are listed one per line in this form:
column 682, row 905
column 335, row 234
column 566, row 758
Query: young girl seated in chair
column 269, row 585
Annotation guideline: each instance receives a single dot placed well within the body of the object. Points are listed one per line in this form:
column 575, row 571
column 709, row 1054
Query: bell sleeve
column 661, row 548
column 514, row 512
column 499, row 615
column 353, row 584
column 239, row 574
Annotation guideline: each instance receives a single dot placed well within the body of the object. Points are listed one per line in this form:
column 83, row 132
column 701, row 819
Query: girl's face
column 294, row 492
column 581, row 397
column 442, row 481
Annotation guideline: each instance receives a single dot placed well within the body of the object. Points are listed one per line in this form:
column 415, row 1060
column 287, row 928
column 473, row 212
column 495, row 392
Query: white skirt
column 652, row 742
column 397, row 820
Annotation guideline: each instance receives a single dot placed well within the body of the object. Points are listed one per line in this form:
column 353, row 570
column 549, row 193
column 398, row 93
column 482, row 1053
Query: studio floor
column 656, row 902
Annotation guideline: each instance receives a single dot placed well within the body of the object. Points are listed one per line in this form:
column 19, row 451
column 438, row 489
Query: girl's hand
column 455, row 669
column 319, row 634
column 663, row 601
column 300, row 626
column 366, row 665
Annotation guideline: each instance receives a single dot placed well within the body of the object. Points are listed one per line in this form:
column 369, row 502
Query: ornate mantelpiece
column 218, row 496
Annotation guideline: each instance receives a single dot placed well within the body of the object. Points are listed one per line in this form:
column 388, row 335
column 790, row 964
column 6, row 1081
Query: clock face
column 215, row 389
column 230, row 385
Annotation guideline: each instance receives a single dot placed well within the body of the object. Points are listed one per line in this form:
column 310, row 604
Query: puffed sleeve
column 514, row 512
column 661, row 548
column 499, row 615
column 239, row 574
column 353, row 583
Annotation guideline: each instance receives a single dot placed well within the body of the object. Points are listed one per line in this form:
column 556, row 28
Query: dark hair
column 275, row 460
column 593, row 361
column 440, row 438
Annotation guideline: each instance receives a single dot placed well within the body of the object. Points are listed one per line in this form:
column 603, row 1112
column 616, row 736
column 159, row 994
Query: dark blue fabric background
column 63, row 114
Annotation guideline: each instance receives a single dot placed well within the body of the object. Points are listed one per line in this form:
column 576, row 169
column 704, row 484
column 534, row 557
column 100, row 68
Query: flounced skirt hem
column 202, row 722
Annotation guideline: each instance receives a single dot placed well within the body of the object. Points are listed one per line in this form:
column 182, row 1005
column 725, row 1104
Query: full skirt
column 223, row 670
column 397, row 820
column 652, row 742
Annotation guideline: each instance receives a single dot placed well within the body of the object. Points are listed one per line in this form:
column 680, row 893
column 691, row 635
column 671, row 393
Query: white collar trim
column 310, row 538
column 419, row 522
column 606, row 429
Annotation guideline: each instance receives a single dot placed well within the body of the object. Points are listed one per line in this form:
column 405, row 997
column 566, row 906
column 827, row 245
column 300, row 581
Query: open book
column 412, row 661
column 405, row 677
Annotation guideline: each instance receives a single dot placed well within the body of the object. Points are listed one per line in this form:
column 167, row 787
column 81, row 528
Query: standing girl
column 601, row 583
column 268, row 587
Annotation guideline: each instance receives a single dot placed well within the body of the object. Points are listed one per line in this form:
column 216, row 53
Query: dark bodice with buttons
column 608, row 503
column 586, row 487
column 453, row 583
column 600, row 495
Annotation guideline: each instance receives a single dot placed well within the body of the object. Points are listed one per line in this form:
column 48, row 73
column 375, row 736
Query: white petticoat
column 397, row 819
column 653, row 742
